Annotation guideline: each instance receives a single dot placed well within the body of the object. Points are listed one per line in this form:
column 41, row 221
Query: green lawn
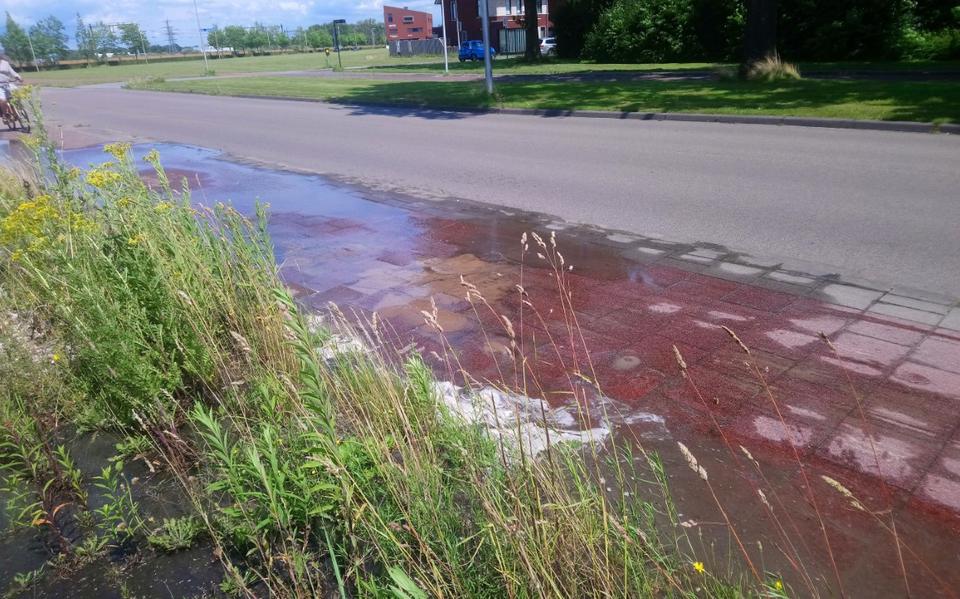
column 194, row 68
column 875, row 100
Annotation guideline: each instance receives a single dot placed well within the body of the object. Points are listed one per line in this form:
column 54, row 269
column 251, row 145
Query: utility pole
column 143, row 45
column 203, row 45
column 487, row 65
column 36, row 65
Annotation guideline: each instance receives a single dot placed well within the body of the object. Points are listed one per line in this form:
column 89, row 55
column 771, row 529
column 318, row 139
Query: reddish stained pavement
column 631, row 313
column 374, row 252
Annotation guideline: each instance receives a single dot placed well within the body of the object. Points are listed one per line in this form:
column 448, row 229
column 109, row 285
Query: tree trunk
column 533, row 30
column 760, row 33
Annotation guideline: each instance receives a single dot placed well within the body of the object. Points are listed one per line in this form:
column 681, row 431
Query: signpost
column 443, row 20
column 336, row 38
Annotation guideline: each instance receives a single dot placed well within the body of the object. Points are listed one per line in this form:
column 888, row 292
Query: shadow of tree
column 880, row 100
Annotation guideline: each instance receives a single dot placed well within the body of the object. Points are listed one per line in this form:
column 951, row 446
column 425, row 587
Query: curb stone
column 792, row 121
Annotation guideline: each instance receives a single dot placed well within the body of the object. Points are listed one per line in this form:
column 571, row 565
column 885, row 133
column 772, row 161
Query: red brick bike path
column 886, row 394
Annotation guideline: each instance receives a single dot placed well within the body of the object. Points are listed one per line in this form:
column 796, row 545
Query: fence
column 416, row 47
column 513, row 41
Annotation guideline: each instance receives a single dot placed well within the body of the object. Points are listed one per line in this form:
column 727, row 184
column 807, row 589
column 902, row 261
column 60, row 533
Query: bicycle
column 14, row 116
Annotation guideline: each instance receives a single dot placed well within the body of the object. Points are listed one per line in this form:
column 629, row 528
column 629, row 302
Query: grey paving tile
column 850, row 296
column 650, row 251
column 914, row 303
column 698, row 259
column 927, row 296
column 905, row 313
column 785, row 277
column 622, row 238
column 706, row 253
column 739, row 272
column 951, row 320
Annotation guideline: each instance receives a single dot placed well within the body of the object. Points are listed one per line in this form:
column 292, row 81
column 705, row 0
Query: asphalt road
column 865, row 204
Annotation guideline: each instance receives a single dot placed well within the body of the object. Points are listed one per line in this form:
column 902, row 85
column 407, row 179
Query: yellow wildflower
column 56, row 358
column 778, row 585
column 124, row 202
column 153, row 157
column 101, row 178
column 163, row 207
column 117, row 150
column 698, row 566
column 136, row 239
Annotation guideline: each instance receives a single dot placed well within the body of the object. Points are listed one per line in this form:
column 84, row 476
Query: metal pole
column 487, row 65
column 336, row 42
column 443, row 19
column 143, row 46
column 203, row 46
column 32, row 53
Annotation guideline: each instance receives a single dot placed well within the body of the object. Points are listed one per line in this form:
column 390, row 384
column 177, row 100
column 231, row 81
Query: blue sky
column 151, row 14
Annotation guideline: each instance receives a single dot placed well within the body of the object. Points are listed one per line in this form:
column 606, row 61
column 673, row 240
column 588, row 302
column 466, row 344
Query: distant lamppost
column 203, row 45
column 336, row 38
column 443, row 21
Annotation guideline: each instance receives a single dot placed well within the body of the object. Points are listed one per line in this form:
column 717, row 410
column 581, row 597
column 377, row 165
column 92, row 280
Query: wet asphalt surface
column 871, row 205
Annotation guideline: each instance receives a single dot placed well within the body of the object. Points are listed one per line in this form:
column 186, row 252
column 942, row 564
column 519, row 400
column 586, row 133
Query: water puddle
column 607, row 352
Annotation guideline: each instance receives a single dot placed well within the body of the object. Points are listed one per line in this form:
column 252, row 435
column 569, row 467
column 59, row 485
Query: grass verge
column 870, row 100
column 225, row 66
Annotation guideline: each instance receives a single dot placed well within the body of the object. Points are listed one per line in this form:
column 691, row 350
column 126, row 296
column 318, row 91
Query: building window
column 539, row 7
column 408, row 19
column 389, row 17
column 415, row 29
column 510, row 6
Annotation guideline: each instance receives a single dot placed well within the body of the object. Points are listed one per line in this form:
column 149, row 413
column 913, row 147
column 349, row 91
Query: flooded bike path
column 869, row 399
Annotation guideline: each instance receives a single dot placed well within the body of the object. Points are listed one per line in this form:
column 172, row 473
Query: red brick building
column 406, row 24
column 463, row 17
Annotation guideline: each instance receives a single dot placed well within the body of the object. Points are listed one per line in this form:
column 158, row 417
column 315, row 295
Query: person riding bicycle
column 9, row 79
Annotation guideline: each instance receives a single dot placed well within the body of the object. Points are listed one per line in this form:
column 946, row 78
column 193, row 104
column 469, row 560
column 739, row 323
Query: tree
column 235, row 37
column 318, row 37
column 532, row 25
column 103, row 40
column 49, row 39
column 15, row 42
column 257, row 38
column 282, row 40
column 133, row 38
column 573, row 20
column 644, row 31
column 373, row 31
column 84, row 40
column 760, row 33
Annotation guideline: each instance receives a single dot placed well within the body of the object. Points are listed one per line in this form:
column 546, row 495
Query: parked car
column 473, row 50
column 548, row 46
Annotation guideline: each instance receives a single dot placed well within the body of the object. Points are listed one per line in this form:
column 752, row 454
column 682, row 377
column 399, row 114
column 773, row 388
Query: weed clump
column 771, row 69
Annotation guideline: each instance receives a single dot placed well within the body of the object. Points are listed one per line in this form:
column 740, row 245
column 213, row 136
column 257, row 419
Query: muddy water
column 879, row 414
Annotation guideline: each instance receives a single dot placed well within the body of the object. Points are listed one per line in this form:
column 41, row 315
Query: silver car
column 548, row 46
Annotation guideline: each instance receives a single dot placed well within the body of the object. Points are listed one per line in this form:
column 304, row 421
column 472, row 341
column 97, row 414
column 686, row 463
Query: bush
column 644, row 31
column 158, row 303
column 930, row 45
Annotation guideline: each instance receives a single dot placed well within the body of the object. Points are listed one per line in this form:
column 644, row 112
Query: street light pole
column 203, row 47
column 443, row 21
column 487, row 65
column 36, row 65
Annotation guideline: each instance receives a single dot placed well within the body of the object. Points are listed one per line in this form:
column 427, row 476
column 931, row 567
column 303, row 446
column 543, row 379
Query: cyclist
column 10, row 80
